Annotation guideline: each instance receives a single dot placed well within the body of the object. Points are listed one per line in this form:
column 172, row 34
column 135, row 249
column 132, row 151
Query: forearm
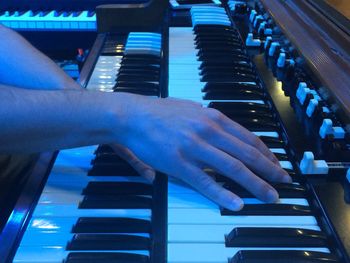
column 24, row 66
column 35, row 121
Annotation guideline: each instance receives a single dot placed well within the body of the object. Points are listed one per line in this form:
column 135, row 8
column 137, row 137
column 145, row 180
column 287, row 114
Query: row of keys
column 132, row 66
column 51, row 20
column 219, row 76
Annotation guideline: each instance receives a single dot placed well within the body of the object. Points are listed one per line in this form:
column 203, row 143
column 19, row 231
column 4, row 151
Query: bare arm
column 24, row 66
column 41, row 120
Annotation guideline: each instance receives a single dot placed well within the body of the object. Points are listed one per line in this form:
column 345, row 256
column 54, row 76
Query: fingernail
column 236, row 205
column 272, row 196
column 287, row 179
column 150, row 175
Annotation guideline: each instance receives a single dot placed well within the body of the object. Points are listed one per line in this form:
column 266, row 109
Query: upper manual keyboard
column 49, row 20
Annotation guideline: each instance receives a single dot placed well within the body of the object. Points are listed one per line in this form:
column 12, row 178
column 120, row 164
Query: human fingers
column 143, row 169
column 241, row 133
column 234, row 169
column 250, row 157
column 203, row 183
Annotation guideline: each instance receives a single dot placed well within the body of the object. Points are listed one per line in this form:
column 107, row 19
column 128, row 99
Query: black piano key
column 238, row 94
column 227, row 47
column 191, row 2
column 106, row 257
column 77, row 13
column 284, row 190
column 219, row 48
column 219, row 35
column 91, row 13
column 275, row 237
column 140, row 59
column 283, row 256
column 209, row 29
column 227, row 63
column 150, row 67
column 43, row 13
column 111, row 225
column 220, row 72
column 273, row 142
column 117, row 188
column 232, row 77
column 211, row 43
column 216, row 35
column 137, row 71
column 217, row 56
column 241, row 69
column 112, row 169
column 249, row 114
column 108, row 242
column 212, row 86
column 245, row 111
column 108, row 158
column 281, row 156
column 212, row 28
column 115, row 202
column 104, row 148
column 138, row 84
column 141, row 91
column 270, row 209
column 137, row 77
column 226, row 106
column 292, row 173
column 254, row 124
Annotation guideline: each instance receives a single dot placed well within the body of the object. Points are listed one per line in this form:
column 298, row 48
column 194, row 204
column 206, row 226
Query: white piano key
column 213, row 253
column 53, row 254
column 55, row 238
column 214, row 217
column 278, row 150
column 50, row 224
column 71, row 210
column 213, row 233
column 267, row 134
column 286, row 165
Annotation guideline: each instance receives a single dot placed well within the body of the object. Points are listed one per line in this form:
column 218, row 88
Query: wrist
column 115, row 112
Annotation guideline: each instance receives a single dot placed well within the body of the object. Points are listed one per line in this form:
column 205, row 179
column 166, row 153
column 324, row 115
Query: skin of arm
column 176, row 137
column 24, row 66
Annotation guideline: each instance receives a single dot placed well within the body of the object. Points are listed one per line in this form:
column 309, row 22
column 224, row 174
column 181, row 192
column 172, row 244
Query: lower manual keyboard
column 116, row 227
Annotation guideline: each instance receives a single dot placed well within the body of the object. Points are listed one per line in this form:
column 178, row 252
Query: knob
column 251, row 42
column 309, row 165
column 328, row 129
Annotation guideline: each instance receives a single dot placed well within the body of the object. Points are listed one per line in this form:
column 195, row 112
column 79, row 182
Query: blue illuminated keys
column 50, row 20
column 59, row 210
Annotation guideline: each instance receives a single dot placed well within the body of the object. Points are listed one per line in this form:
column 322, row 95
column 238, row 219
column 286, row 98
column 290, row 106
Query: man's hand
column 180, row 138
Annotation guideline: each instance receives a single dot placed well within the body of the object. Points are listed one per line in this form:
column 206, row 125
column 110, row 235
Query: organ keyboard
column 101, row 211
column 52, row 20
column 51, row 15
